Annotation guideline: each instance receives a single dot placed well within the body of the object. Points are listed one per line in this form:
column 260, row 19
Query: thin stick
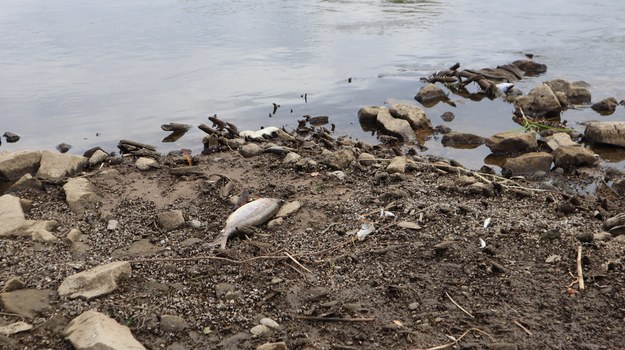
column 523, row 328
column 580, row 274
column 458, row 305
column 335, row 319
column 297, row 262
column 445, row 346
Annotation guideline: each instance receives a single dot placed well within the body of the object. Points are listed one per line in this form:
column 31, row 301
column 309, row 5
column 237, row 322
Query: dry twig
column 580, row 274
column 523, row 328
column 458, row 305
column 447, row 345
column 335, row 319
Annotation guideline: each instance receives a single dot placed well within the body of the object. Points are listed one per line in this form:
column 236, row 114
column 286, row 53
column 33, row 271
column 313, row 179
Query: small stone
column 95, row 282
column 602, row 236
column 606, row 106
column 397, row 165
column 27, row 302
column 13, row 283
column 291, row 158
column 250, row 150
column 408, row 225
column 74, row 235
column 173, row 324
column 171, row 220
column 269, row 323
column 272, row 346
column 98, row 157
column 233, row 295
column 63, row 147
column 366, row 159
column 275, row 223
column 276, row 280
column 11, row 137
column 260, row 329
column 338, row 174
column 429, row 93
column 222, row 288
column 585, row 237
column 145, row 163
column 112, row 225
column 413, row 306
column 195, row 223
column 448, row 116
column 552, row 259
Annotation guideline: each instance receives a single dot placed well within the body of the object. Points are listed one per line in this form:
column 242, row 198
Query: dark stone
column 530, row 67
column 606, row 106
column 63, row 147
column 11, row 137
column 448, row 116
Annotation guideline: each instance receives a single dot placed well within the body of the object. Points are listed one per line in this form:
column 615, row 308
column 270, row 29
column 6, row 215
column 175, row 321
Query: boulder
column 606, row 106
column 462, row 140
column 414, row 115
column 80, row 195
column 95, row 282
column 528, row 164
column 573, row 156
column 430, row 93
column 17, row 164
column 397, row 127
column 576, row 93
column 611, row 133
column 397, row 165
column 27, row 302
column 368, row 114
column 540, row 102
column 56, row 166
column 559, row 139
column 11, row 215
column 171, row 219
column 93, row 330
column 512, row 142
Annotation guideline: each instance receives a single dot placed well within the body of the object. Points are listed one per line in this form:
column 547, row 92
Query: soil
column 433, row 283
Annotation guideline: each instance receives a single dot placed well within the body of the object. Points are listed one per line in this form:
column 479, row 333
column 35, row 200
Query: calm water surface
column 74, row 69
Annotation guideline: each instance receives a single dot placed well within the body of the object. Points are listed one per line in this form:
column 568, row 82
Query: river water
column 90, row 73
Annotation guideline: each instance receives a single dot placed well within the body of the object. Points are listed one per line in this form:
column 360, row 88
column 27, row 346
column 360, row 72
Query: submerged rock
column 11, row 137
column 430, row 93
column 462, row 140
column 610, row 133
column 395, row 126
column 576, row 93
column 414, row 115
column 530, row 67
column 606, row 106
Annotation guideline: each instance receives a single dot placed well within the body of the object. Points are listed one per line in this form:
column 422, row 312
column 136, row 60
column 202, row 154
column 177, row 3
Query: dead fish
column 251, row 214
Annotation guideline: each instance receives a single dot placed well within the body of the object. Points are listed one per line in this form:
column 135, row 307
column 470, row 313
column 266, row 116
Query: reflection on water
column 72, row 68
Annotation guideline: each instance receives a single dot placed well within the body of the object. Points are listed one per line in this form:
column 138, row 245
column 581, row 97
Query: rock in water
column 251, row 214
column 11, row 137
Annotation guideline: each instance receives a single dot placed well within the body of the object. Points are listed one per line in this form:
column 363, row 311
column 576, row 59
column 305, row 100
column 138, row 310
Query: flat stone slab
column 529, row 163
column 27, row 302
column 414, row 115
column 95, row 282
column 11, row 215
column 17, row 164
column 140, row 248
column 288, row 209
column 55, row 167
column 559, row 139
column 93, row 330
column 512, row 142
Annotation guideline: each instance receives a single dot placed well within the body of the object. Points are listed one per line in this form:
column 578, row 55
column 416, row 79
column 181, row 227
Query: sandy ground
column 422, row 279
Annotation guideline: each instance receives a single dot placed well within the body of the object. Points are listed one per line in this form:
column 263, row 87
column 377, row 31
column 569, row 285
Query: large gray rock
column 611, row 133
column 93, row 330
column 55, row 167
column 560, row 139
column 573, row 156
column 80, row 195
column 575, row 92
column 11, row 215
column 528, row 164
column 25, row 182
column 27, row 302
column 540, row 102
column 414, row 115
column 462, row 140
column 16, row 164
column 395, row 126
column 512, row 142
column 171, row 219
column 98, row 157
column 95, row 282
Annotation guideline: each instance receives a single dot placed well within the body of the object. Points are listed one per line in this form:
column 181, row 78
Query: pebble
column 272, row 346
column 195, row 223
column 173, row 323
column 269, row 323
column 260, row 330
column 250, row 150
column 552, row 259
column 413, row 306
column 13, row 283
column 338, row 174
column 222, row 288
column 112, row 225
column 602, row 236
